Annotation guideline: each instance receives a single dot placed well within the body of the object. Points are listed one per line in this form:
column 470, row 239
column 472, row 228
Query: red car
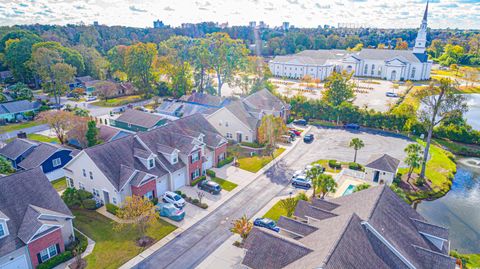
column 296, row 132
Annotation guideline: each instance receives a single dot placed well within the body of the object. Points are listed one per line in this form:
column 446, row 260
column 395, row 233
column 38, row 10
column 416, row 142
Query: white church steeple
column 421, row 40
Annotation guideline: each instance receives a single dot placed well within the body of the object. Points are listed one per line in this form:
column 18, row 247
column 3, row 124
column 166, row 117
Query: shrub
column 355, row 166
column 211, row 173
column 183, row 195
column 155, row 200
column 179, row 192
column 60, row 258
column 70, row 197
column 83, row 195
column 111, row 208
column 89, row 204
column 252, row 145
column 195, row 182
column 80, row 240
column 195, row 201
column 420, row 182
column 225, row 161
column 334, row 164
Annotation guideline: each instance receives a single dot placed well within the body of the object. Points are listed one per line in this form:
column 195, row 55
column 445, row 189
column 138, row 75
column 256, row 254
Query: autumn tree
column 451, row 55
column 253, row 77
column 401, row 45
column 436, row 48
column 270, row 131
column 60, row 122
column 79, row 131
column 117, row 57
column 137, row 211
column 106, row 89
column 226, row 57
column 140, row 59
column 242, row 227
column 339, row 89
column 438, row 100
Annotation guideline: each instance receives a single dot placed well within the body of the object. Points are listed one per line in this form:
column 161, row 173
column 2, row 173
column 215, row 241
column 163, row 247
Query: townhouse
column 35, row 224
column 148, row 163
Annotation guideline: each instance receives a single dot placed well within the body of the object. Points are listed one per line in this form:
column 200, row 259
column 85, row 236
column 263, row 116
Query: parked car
column 91, row 98
column 302, row 181
column 297, row 173
column 170, row 211
column 210, row 186
column 173, row 198
column 353, row 126
column 308, row 138
column 292, row 134
column 56, row 106
column 286, row 139
column 317, row 165
column 266, row 223
column 296, row 132
column 300, row 122
column 391, row 94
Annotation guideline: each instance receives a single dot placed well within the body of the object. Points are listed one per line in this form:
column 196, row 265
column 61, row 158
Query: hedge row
column 60, row 258
column 225, row 161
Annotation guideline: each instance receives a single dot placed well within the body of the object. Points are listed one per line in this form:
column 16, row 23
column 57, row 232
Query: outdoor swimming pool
column 349, row 190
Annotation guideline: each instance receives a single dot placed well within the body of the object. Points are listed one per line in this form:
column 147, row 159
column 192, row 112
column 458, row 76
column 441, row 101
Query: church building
column 394, row 65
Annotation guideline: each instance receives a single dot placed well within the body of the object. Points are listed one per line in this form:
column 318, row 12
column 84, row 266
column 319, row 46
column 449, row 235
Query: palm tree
column 356, row 144
column 242, row 226
column 414, row 159
column 327, row 184
column 314, row 174
column 289, row 205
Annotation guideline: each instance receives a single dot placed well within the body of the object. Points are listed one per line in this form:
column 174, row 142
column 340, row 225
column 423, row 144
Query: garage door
column 178, row 180
column 209, row 161
column 162, row 186
column 17, row 263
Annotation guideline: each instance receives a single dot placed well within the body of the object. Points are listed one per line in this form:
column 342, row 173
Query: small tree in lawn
column 242, row 227
column 314, row 175
column 139, row 212
column 270, row 132
column 106, row 89
column 92, row 133
column 60, row 121
column 327, row 185
column 356, row 144
column 413, row 159
column 289, row 205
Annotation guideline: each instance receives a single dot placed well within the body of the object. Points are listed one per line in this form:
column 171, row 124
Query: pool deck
column 344, row 183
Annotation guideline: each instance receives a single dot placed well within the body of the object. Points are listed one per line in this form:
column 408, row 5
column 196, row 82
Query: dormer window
column 151, row 163
column 3, row 229
column 174, row 158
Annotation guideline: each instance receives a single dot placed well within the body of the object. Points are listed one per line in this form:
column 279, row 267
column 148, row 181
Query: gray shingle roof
column 198, row 123
column 19, row 106
column 239, row 109
column 344, row 241
column 16, row 148
column 295, row 226
column 39, row 154
column 323, row 204
column 18, row 192
column 140, row 118
column 204, row 99
column 305, row 210
column 264, row 100
column 428, row 228
column 384, row 163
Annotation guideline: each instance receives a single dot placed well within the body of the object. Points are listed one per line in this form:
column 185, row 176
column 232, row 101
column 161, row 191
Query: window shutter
column 38, row 258
column 58, row 248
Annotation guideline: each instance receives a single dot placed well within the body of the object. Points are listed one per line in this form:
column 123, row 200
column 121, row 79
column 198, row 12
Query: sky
column 462, row 14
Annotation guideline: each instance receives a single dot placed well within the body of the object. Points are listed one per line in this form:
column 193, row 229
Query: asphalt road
column 192, row 246
column 29, row 130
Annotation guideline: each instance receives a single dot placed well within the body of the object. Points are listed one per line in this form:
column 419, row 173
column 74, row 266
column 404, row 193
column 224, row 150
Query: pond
column 473, row 114
column 459, row 210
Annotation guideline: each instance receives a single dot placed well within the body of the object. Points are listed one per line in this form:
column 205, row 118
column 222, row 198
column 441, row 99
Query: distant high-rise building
column 158, row 24
column 285, row 26
column 252, row 24
column 262, row 24
column 95, row 23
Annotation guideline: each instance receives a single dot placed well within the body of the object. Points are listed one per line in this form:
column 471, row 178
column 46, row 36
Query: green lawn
column 59, row 184
column 275, row 212
column 226, row 185
column 119, row 101
column 255, row 163
column 440, row 171
column 471, row 261
column 113, row 248
column 18, row 126
column 324, row 164
column 40, row 138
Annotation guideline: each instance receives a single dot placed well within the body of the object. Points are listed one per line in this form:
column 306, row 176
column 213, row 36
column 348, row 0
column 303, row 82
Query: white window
column 84, row 173
column 114, row 200
column 195, row 157
column 151, row 163
column 413, row 72
column 3, row 230
column 229, row 135
column 246, row 137
column 91, row 175
column 196, row 173
column 70, row 182
column 149, row 195
column 48, row 253
column 57, row 162
column 366, row 69
column 373, row 70
column 81, row 186
column 226, row 123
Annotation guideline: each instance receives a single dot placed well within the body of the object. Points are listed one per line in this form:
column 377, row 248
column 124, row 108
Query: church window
column 373, row 70
column 413, row 72
column 366, row 69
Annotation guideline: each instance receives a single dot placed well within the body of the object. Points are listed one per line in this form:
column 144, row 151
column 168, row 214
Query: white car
column 297, row 173
column 173, row 198
column 91, row 98
column 302, row 182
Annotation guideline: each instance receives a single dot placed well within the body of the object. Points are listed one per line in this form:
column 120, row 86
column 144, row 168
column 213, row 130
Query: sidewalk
column 228, row 173
column 88, row 251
